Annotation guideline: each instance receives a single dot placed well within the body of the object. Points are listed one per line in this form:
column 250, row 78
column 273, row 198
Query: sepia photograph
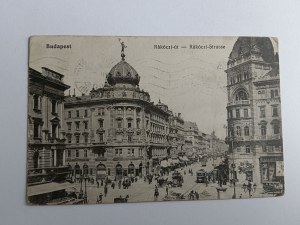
column 151, row 119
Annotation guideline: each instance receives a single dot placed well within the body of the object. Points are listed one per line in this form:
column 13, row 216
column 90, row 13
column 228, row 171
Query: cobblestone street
column 143, row 191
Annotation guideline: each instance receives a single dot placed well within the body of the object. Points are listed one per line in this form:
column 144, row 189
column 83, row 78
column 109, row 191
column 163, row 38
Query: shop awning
column 47, row 188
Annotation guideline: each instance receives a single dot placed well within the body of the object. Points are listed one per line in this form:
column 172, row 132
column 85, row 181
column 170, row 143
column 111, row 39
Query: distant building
column 192, row 134
column 254, row 115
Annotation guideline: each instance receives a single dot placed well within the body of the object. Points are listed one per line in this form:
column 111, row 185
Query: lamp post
column 84, row 196
column 233, row 180
column 234, row 177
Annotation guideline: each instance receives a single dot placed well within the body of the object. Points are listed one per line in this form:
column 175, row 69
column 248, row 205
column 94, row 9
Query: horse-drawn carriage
column 121, row 199
column 173, row 196
column 162, row 181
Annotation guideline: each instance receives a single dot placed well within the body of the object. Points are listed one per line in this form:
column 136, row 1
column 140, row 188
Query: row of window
column 77, row 139
column 246, row 131
column 118, row 152
column 78, row 113
column 238, row 113
column 77, row 125
column 156, row 127
column 273, row 93
column 77, row 151
column 157, row 118
column 239, row 77
column 274, row 111
column 37, row 130
column 37, row 104
column 119, row 122
column 262, row 112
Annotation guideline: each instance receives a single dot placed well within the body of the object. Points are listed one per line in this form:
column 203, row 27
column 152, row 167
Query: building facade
column 46, row 140
column 253, row 109
column 116, row 130
column 46, row 169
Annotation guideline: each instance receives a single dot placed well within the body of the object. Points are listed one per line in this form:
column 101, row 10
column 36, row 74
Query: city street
column 143, row 191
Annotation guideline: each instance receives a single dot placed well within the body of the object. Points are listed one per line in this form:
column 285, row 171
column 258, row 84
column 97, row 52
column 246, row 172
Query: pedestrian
column 197, row 195
column 156, row 193
column 101, row 183
column 113, row 185
column 100, row 197
column 105, row 190
column 249, row 186
column 97, row 183
column 167, row 190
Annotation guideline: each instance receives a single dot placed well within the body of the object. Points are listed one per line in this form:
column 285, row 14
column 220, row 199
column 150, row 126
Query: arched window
column 119, row 171
column 246, row 131
column 131, row 169
column 263, row 130
column 238, row 131
column 100, row 171
column 241, row 95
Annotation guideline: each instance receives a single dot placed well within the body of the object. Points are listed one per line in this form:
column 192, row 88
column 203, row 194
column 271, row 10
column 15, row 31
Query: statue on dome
column 122, row 50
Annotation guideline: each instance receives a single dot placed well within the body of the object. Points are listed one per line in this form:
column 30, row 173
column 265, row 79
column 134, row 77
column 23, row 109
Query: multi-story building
column 192, row 134
column 116, row 130
column 254, row 116
column 46, row 140
column 46, row 143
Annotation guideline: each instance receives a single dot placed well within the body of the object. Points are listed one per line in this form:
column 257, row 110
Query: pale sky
column 189, row 81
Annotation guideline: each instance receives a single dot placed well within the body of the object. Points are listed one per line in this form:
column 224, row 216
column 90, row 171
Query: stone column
column 64, row 157
column 55, row 158
column 124, row 117
column 134, row 117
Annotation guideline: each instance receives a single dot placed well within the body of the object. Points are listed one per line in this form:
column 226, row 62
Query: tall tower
column 253, row 110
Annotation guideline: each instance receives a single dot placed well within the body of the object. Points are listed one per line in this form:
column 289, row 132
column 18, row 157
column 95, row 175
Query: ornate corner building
column 254, row 115
column 46, row 139
column 116, row 130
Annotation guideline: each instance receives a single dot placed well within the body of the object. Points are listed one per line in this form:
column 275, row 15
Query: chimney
column 74, row 93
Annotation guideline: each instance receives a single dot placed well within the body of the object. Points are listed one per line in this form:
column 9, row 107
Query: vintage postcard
column 142, row 119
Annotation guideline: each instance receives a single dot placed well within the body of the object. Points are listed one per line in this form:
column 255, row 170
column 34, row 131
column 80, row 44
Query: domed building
column 116, row 130
column 254, row 115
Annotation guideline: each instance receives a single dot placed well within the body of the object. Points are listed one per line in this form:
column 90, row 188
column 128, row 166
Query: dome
column 260, row 45
column 123, row 73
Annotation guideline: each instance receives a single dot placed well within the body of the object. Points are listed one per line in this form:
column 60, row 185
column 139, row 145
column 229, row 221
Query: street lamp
column 84, row 196
column 233, row 180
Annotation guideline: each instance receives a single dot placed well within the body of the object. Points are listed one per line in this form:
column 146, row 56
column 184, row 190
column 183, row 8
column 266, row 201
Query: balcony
column 77, row 159
column 100, row 130
column 118, row 158
column 100, row 158
column 239, row 102
column 55, row 140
